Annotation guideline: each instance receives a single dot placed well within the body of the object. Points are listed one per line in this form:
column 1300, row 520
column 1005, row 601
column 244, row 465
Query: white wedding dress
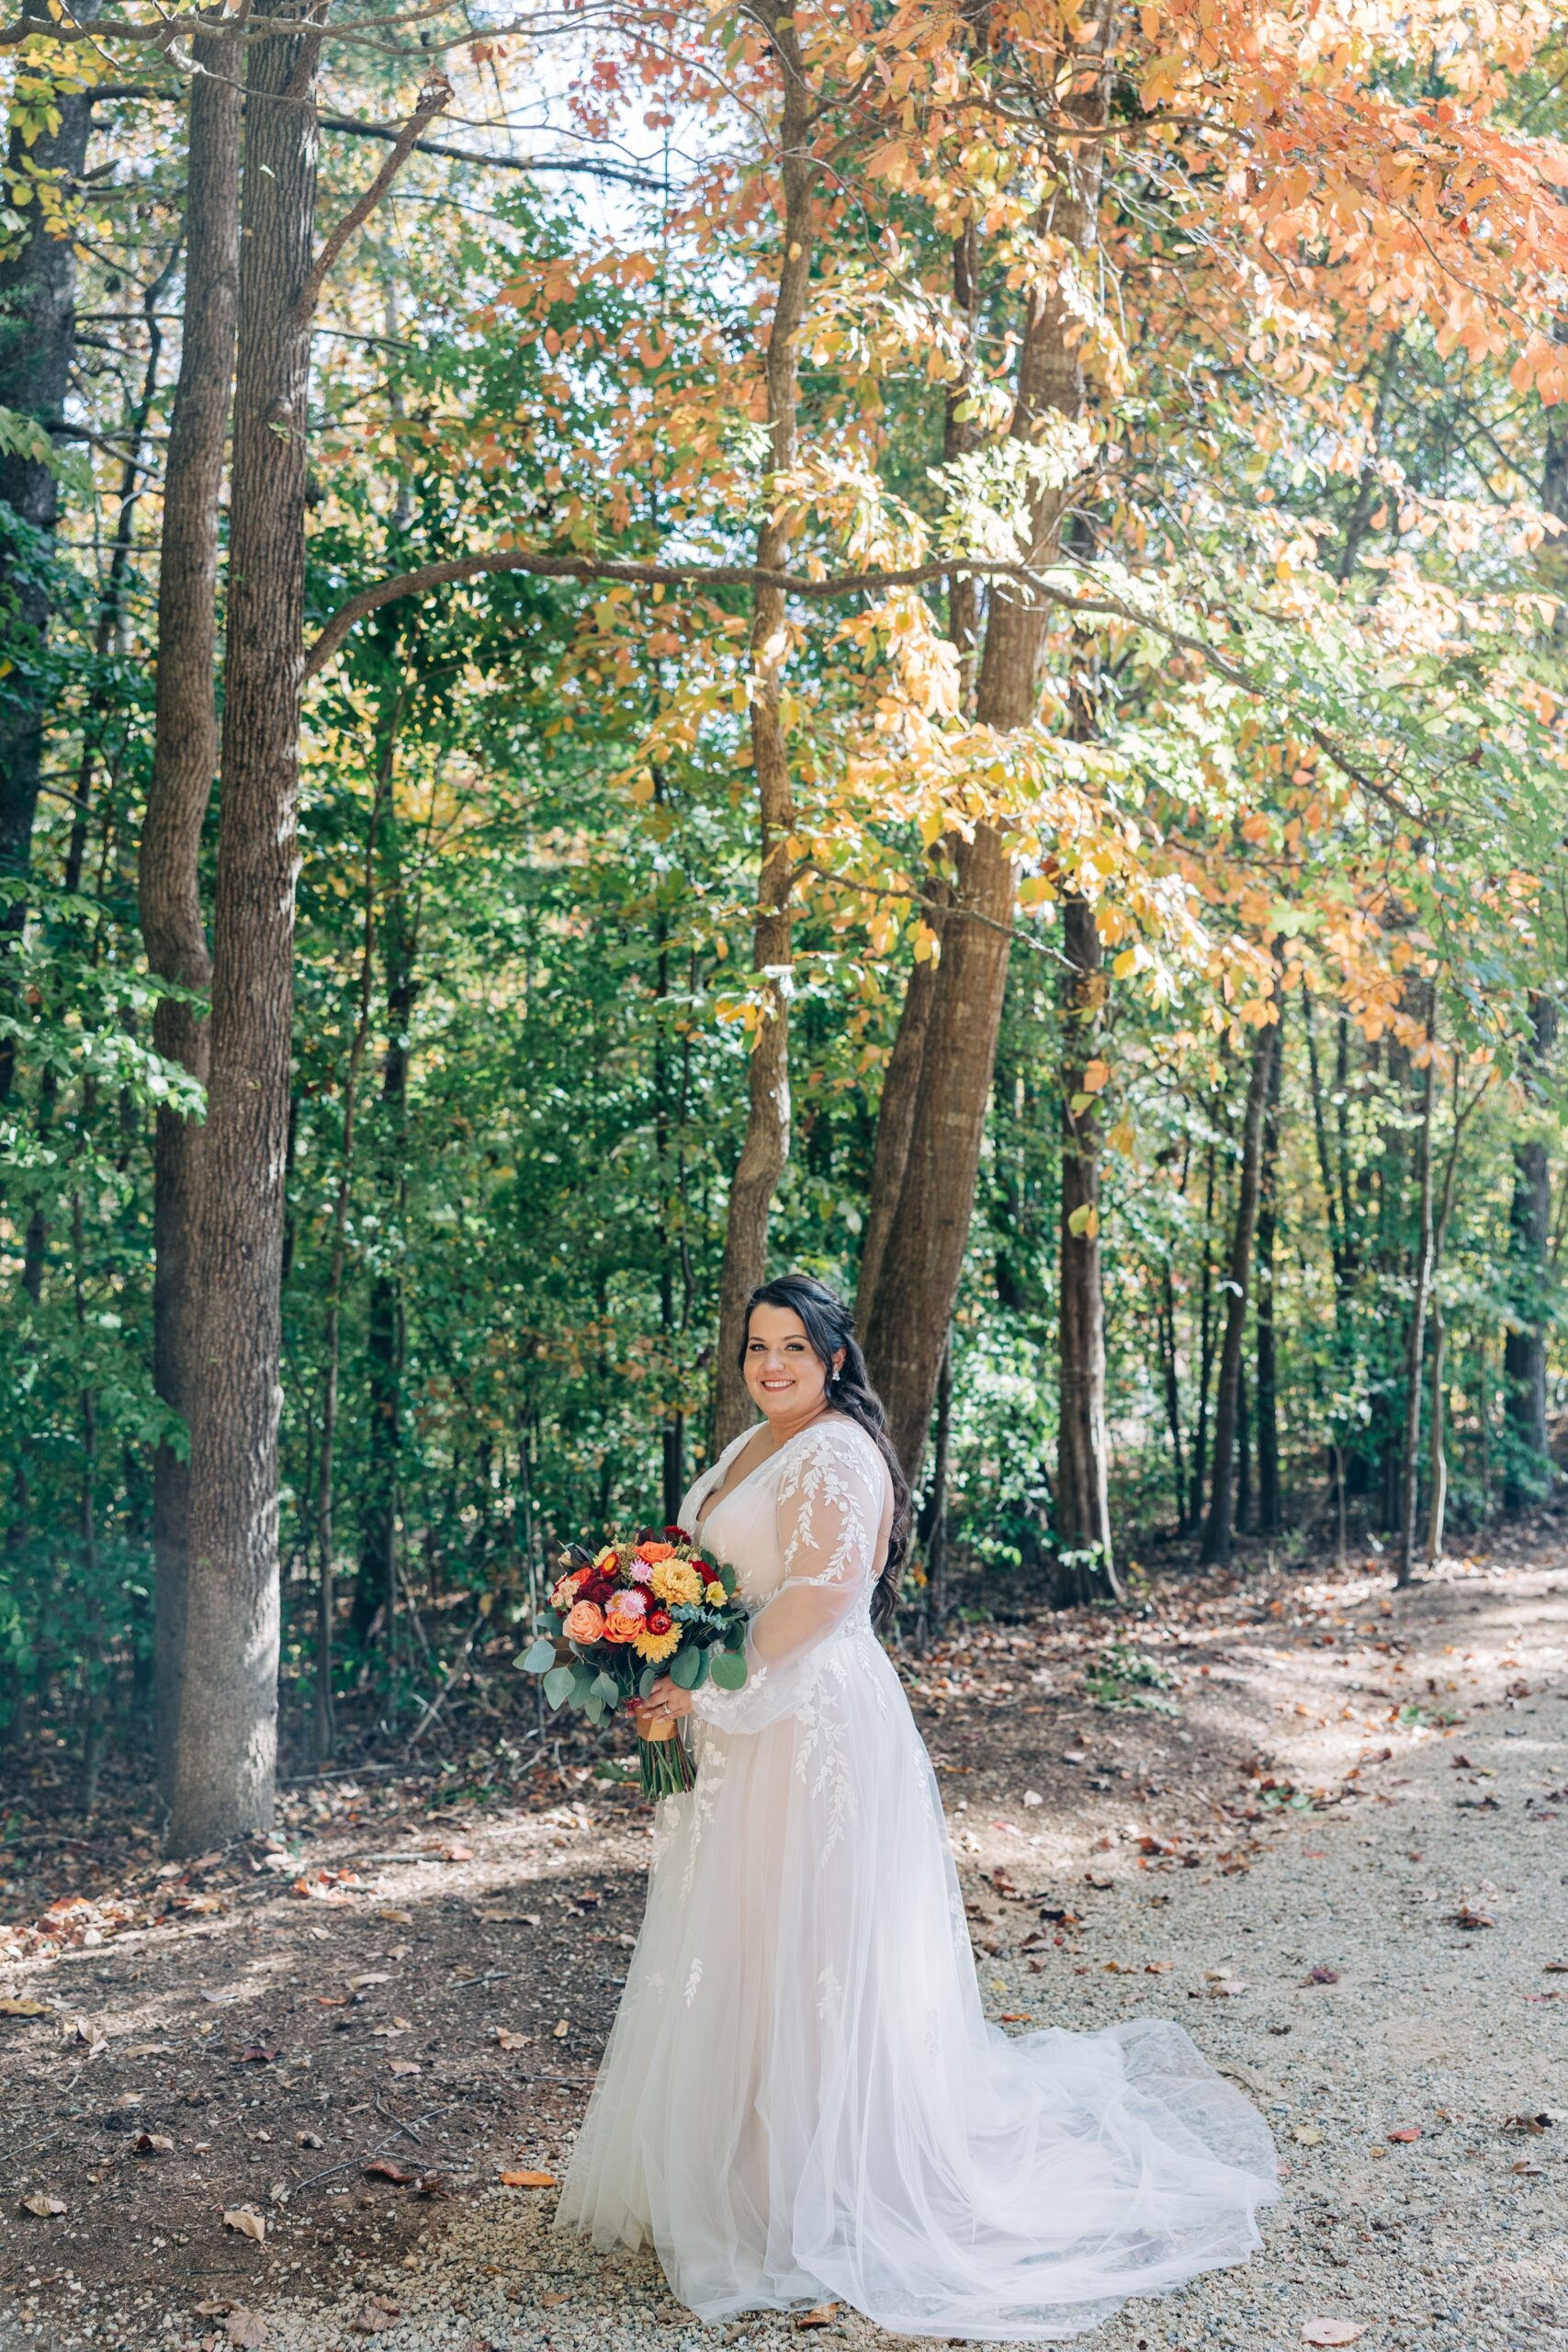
column 801, row 2100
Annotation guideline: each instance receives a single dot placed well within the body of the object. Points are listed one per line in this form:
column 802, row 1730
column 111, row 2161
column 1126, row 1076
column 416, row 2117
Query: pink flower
column 640, row 1570
column 629, row 1604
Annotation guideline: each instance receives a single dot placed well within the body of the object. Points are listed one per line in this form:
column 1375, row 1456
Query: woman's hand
column 665, row 1702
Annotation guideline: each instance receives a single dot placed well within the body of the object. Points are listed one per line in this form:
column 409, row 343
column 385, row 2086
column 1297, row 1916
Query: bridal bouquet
column 619, row 1618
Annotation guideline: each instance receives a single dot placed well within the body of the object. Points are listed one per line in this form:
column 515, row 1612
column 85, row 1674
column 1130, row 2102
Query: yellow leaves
column 1084, row 1222
column 1037, row 891
column 1096, row 1077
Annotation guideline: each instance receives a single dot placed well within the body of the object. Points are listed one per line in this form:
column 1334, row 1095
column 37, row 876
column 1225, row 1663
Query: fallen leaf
column 249, row 2224
column 404, row 2065
column 39, row 2202
column 527, row 2180
column 554, row 2299
column 383, row 2168
column 1158, row 1967
column 24, row 2008
column 214, row 2307
column 457, row 1853
column 1532, row 2124
column 375, row 2314
column 1406, row 2133
column 245, row 2327
column 400, row 1918
column 1307, row 2135
column 153, row 2144
column 1553, row 1968
column 821, row 2315
column 308, row 2140
column 1468, row 1915
column 1331, row 2331
column 258, row 2054
column 511, row 2041
column 1321, row 1975
column 373, row 1976
column 560, row 2028
column 1528, row 2169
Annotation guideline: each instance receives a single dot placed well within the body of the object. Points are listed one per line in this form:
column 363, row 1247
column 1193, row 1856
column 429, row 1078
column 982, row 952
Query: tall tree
column 226, row 1730
column 185, row 761
column 764, row 1151
column 224, row 1746
column 928, row 1232
column 1218, row 1527
column 1416, row 1337
column 1271, row 1505
column 1087, row 1561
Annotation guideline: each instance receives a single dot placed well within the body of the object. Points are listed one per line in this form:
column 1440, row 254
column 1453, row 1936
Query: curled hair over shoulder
column 829, row 1328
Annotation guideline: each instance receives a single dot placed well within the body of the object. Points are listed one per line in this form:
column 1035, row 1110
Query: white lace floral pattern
column 802, row 2101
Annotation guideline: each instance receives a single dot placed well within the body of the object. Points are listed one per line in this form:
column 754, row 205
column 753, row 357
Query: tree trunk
column 1218, row 1527
column 1270, row 1513
column 901, row 1085
column 376, row 1588
column 324, row 1720
column 1527, row 1460
column 226, row 1747
column 895, row 1126
column 923, row 1259
column 184, row 758
column 1437, row 1505
column 37, row 342
column 1172, row 1392
column 764, row 1152
column 1086, row 1563
column 1415, row 1347
column 1206, row 1341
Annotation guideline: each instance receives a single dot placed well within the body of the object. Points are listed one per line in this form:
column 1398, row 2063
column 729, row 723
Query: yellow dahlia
column 675, row 1582
column 656, row 1648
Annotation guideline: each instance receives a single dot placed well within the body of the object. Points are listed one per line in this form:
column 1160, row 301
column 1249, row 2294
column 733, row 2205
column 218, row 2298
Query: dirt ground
column 270, row 2098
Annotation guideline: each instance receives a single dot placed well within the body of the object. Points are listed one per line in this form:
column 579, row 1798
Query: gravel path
column 1310, row 1933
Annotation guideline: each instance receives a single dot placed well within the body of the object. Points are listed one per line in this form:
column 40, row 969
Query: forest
column 648, row 642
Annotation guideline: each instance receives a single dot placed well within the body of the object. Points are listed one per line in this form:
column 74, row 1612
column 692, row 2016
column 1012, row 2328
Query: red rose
column 597, row 1590
column 676, row 1536
column 657, row 1620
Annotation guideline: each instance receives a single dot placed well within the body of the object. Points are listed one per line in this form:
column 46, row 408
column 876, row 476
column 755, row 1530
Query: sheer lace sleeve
column 829, row 1509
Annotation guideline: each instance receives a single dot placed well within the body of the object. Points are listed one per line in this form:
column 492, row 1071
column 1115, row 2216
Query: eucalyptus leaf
column 729, row 1670
column 539, row 1658
column 559, row 1684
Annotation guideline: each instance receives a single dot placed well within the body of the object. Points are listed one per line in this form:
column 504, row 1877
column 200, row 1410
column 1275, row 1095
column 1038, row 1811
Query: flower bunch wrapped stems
column 619, row 1618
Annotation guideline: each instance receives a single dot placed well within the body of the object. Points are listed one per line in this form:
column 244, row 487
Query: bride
column 801, row 2100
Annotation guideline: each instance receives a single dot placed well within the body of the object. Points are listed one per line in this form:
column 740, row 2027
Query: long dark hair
column 830, row 1329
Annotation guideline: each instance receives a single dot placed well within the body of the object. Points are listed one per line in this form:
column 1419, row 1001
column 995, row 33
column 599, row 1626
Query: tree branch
column 823, row 591
column 623, row 173
column 435, row 95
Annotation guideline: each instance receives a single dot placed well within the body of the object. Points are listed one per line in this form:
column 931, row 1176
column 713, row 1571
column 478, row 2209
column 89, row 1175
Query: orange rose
column 618, row 1628
column 654, row 1553
column 584, row 1622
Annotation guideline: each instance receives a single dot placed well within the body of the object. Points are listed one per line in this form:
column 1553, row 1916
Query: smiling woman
column 802, row 2099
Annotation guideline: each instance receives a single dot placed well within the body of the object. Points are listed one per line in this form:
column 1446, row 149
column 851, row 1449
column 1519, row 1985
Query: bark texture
column 185, row 760
column 226, row 1744
column 764, row 1152
column 1218, row 1527
column 923, row 1254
